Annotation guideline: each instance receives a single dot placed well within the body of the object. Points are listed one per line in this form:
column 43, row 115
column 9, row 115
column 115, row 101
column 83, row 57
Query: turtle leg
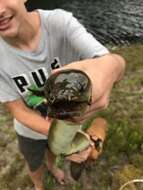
column 78, row 162
column 76, row 169
column 97, row 132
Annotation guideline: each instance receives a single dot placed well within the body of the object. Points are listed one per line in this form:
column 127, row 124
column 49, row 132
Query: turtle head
column 68, row 93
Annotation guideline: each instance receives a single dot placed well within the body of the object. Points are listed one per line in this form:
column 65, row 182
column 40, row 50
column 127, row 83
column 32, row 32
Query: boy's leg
column 56, row 172
column 37, row 177
column 34, row 152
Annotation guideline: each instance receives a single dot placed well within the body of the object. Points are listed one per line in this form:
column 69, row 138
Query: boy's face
column 12, row 14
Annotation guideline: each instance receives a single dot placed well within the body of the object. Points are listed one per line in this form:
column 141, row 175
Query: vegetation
column 122, row 158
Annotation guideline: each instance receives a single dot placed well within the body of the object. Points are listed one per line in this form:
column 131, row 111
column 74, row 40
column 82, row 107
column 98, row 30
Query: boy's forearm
column 110, row 65
column 120, row 66
column 33, row 120
column 29, row 117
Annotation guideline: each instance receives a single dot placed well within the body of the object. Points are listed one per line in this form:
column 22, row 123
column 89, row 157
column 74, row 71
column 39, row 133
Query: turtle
column 68, row 93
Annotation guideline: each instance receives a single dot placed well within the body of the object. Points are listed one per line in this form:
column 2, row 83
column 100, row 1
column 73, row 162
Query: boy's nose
column 2, row 8
column 2, row 11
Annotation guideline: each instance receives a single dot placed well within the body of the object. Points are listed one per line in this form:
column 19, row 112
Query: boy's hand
column 80, row 156
column 103, row 73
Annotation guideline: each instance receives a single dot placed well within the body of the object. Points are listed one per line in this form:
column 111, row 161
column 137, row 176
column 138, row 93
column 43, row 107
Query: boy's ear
column 25, row 1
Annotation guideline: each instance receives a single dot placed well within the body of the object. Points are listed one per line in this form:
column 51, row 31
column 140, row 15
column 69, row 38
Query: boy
column 32, row 44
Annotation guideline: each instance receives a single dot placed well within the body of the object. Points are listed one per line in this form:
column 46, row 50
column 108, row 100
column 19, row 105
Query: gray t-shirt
column 63, row 40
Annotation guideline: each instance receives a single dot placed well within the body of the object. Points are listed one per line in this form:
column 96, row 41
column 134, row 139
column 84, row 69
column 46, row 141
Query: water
column 110, row 21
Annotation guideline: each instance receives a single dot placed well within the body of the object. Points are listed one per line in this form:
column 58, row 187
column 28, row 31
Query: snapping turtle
column 68, row 93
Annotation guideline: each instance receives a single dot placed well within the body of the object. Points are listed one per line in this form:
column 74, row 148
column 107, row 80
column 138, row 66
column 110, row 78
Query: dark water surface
column 110, row 21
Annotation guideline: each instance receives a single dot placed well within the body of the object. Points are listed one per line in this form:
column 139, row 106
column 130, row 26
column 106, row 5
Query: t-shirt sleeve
column 82, row 41
column 7, row 91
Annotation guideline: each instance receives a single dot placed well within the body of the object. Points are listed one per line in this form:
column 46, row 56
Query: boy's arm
column 28, row 117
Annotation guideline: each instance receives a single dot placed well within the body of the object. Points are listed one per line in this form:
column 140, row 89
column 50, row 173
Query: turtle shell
column 68, row 92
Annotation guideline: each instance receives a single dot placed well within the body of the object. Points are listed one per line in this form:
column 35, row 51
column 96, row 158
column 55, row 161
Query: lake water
column 110, row 21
